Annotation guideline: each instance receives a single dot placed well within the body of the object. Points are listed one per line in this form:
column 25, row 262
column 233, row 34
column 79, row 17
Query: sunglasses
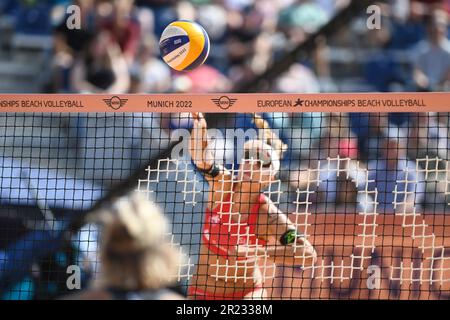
column 265, row 163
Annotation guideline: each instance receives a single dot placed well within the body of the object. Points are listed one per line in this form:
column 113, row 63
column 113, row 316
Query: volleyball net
column 365, row 178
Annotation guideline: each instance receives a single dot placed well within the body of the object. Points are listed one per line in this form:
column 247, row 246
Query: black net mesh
column 366, row 193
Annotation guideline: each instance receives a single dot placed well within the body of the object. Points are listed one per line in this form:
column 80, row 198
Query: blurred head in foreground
column 138, row 263
column 134, row 252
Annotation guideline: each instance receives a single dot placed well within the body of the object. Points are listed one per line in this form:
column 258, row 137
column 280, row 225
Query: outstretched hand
column 199, row 142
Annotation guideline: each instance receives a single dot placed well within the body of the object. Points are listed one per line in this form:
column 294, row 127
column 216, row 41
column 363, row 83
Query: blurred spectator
column 124, row 28
column 299, row 79
column 342, row 182
column 33, row 17
column 101, row 68
column 68, row 44
column 9, row 6
column 136, row 260
column 244, row 28
column 74, row 40
column 390, row 172
column 432, row 68
column 306, row 125
column 164, row 13
column 213, row 18
column 341, row 177
column 247, row 36
column 381, row 69
column 368, row 129
column 301, row 18
column 407, row 23
column 431, row 140
column 149, row 74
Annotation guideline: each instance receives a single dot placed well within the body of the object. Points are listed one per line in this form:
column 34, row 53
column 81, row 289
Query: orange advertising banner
column 229, row 102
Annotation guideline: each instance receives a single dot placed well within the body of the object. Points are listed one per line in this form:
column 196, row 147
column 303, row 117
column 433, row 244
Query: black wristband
column 212, row 172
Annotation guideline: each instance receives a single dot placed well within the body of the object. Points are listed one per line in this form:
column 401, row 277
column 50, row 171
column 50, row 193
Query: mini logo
column 115, row 102
column 298, row 103
column 224, row 102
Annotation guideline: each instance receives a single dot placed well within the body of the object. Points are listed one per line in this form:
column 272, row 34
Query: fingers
column 199, row 120
column 301, row 241
column 197, row 116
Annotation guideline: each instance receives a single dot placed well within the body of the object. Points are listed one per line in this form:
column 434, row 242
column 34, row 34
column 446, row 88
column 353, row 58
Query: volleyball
column 184, row 45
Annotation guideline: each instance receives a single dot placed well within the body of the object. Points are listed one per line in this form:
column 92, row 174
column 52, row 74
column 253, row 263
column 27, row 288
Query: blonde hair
column 269, row 137
column 134, row 253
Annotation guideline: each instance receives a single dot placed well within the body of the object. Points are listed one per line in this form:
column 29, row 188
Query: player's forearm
column 279, row 225
column 299, row 255
column 291, row 247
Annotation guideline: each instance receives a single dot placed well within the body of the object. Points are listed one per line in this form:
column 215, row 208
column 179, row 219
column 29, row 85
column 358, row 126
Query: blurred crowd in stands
column 116, row 49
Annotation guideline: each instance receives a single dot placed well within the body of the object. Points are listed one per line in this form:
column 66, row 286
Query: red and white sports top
column 221, row 233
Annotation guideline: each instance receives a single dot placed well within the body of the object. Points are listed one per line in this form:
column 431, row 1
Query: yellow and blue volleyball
column 184, row 45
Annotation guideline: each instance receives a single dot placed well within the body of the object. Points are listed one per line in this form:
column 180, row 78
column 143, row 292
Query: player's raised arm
column 199, row 142
column 202, row 155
